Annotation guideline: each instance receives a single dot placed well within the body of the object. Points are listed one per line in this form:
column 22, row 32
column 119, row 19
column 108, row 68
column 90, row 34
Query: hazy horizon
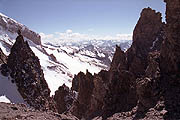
column 90, row 19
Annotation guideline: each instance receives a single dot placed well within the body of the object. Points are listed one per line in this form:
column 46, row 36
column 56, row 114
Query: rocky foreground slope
column 22, row 112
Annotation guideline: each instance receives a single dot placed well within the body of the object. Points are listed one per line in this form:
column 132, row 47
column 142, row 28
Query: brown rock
column 85, row 89
column 27, row 73
column 22, row 112
column 147, row 36
column 63, row 98
column 119, row 60
column 170, row 55
column 97, row 98
column 121, row 94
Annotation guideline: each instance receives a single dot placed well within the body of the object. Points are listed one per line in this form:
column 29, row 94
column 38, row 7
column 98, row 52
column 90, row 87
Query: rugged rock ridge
column 12, row 26
column 147, row 36
column 142, row 83
column 132, row 75
column 26, row 72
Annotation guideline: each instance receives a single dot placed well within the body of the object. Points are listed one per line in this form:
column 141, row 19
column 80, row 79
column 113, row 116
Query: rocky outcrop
column 91, row 91
column 147, row 36
column 119, row 60
column 64, row 98
column 170, row 56
column 170, row 60
column 98, row 94
column 125, row 92
column 12, row 26
column 85, row 87
column 148, row 86
column 132, row 81
column 121, row 95
column 27, row 74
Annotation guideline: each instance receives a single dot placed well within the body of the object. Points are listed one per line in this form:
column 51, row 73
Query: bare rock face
column 170, row 60
column 170, row 56
column 85, row 88
column 98, row 94
column 121, row 95
column 148, row 86
column 147, row 36
column 26, row 71
column 63, row 98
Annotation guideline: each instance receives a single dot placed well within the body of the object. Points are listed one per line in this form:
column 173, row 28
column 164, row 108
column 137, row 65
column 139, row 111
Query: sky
column 85, row 17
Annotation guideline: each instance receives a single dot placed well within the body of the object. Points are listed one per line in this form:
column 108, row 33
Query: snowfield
column 4, row 99
column 8, row 91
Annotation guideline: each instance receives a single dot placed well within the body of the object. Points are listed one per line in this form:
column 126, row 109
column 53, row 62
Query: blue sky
column 97, row 17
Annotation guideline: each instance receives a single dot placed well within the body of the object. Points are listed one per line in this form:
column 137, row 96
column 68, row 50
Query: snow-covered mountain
column 61, row 61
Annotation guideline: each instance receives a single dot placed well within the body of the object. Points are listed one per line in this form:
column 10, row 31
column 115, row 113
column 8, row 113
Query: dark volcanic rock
column 121, row 95
column 119, row 90
column 63, row 98
column 170, row 55
column 27, row 73
column 97, row 98
column 119, row 60
column 147, row 36
column 82, row 104
column 170, row 60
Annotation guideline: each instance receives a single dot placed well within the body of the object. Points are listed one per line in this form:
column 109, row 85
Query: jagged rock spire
column 28, row 75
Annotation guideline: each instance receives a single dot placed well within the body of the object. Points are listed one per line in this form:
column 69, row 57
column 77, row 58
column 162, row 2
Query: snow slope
column 4, row 99
column 8, row 91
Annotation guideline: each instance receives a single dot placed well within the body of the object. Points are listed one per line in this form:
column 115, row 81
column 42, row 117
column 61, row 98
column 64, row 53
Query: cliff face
column 147, row 36
column 3, row 57
column 170, row 60
column 170, row 56
column 26, row 72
